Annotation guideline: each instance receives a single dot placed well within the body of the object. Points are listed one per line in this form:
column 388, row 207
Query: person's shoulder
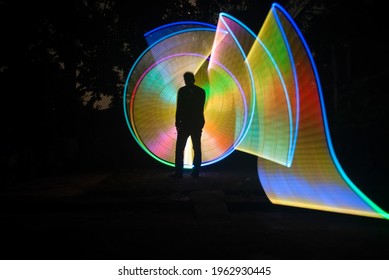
column 199, row 88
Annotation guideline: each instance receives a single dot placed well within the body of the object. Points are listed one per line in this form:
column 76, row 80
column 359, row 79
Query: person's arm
column 178, row 111
column 203, row 96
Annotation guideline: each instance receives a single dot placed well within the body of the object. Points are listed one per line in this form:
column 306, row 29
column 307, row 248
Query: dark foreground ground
column 141, row 213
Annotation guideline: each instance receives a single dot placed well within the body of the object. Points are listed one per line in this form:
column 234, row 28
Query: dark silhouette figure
column 189, row 122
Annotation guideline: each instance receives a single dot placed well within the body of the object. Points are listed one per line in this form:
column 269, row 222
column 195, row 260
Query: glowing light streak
column 263, row 97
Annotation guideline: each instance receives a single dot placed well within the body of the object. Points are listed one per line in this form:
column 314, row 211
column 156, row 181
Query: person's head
column 189, row 78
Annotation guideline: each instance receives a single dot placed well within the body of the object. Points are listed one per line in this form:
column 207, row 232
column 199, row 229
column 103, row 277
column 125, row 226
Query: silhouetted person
column 189, row 122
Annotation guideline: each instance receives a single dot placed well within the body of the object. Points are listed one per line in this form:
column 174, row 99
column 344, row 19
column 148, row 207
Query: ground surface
column 141, row 213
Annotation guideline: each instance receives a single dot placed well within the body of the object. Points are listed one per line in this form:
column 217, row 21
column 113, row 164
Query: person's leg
column 196, row 141
column 182, row 137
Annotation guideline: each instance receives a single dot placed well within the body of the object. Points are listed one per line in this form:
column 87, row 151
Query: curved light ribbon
column 263, row 97
column 315, row 179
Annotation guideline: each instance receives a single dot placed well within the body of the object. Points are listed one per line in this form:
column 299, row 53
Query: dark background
column 52, row 52
column 76, row 185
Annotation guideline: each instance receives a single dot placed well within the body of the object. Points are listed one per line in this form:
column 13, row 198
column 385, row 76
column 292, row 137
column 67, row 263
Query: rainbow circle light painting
column 263, row 98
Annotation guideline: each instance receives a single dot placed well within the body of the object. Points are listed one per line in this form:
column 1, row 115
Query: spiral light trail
column 263, row 97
